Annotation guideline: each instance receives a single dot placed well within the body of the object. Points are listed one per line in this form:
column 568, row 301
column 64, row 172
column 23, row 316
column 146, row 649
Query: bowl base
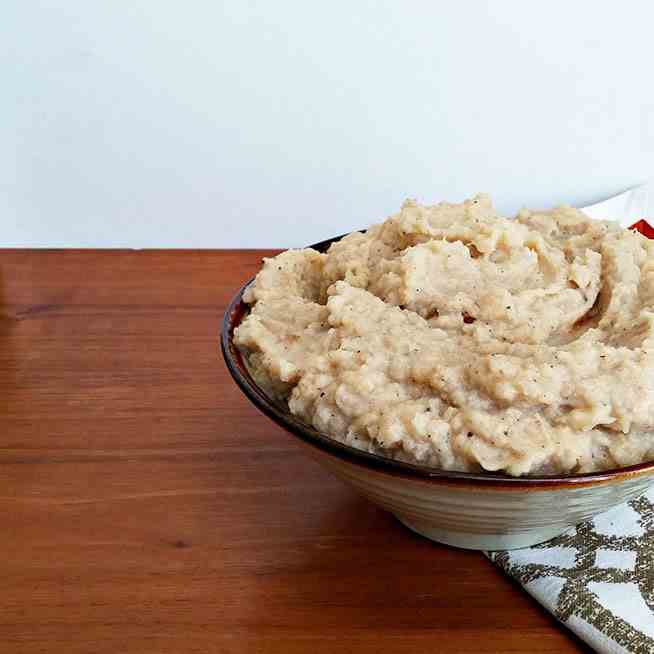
column 471, row 541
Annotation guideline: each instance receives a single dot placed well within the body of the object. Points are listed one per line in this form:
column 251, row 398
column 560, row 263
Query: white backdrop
column 224, row 124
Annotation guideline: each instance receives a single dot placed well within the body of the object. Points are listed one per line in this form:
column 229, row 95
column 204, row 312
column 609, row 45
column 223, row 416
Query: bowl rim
column 234, row 314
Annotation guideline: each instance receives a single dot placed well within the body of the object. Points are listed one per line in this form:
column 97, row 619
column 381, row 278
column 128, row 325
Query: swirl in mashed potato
column 454, row 338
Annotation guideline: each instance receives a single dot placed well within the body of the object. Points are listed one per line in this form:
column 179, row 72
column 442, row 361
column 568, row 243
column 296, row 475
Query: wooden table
column 148, row 507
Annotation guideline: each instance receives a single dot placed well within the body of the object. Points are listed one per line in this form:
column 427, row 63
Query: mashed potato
column 455, row 338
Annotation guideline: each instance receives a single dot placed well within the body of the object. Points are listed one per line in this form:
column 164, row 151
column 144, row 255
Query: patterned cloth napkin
column 598, row 578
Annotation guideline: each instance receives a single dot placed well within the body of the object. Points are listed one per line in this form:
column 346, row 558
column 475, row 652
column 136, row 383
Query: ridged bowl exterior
column 478, row 516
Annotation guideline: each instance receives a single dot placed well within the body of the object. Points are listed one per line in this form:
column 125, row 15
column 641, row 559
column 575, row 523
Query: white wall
column 219, row 124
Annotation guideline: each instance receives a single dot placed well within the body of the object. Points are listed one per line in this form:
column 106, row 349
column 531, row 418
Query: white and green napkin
column 598, row 578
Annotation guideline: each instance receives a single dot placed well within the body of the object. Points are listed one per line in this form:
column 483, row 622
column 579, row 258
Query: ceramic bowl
column 470, row 510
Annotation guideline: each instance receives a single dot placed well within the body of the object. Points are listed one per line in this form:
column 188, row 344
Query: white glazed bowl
column 471, row 510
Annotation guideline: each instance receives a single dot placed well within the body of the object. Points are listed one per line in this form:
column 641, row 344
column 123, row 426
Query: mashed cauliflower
column 455, row 338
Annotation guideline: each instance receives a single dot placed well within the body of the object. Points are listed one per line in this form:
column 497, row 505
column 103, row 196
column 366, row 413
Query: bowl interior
column 236, row 312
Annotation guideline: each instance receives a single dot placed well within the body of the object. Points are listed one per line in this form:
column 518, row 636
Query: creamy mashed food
column 455, row 338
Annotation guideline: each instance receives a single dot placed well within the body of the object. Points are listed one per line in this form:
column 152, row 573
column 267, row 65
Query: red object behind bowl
column 644, row 228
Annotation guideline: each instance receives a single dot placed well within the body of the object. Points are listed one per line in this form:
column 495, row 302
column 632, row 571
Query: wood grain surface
column 147, row 507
